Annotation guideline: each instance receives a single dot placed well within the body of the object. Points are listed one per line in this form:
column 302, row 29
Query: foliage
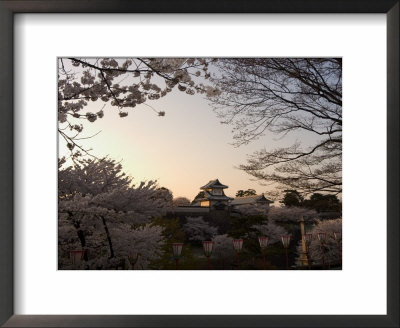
column 291, row 214
column 323, row 203
column 253, row 209
column 123, row 83
column 223, row 249
column 284, row 95
column 145, row 241
column 244, row 193
column 317, row 201
column 90, row 176
column 332, row 250
column 251, row 248
column 197, row 229
column 292, row 198
column 181, row 201
column 270, row 230
column 100, row 211
column 173, row 233
column 172, row 230
column 164, row 194
column 242, row 224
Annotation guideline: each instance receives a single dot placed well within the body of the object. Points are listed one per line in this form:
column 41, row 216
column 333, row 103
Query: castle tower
column 214, row 196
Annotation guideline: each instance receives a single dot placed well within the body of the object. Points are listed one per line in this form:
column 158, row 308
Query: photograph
column 196, row 153
column 199, row 163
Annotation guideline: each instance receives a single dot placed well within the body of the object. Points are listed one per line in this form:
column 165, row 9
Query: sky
column 182, row 150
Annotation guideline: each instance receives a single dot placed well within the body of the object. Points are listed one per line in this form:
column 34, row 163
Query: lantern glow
column 208, row 247
column 237, row 245
column 285, row 241
column 263, row 241
column 177, row 249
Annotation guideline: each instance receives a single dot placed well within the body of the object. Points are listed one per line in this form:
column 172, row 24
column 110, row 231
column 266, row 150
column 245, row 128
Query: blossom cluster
column 102, row 212
column 123, row 83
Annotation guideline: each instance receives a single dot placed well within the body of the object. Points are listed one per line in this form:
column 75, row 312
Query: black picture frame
column 11, row 7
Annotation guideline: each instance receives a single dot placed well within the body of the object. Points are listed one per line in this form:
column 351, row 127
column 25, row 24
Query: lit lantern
column 77, row 256
column 337, row 236
column 176, row 251
column 237, row 245
column 285, row 241
column 208, row 248
column 322, row 237
column 263, row 241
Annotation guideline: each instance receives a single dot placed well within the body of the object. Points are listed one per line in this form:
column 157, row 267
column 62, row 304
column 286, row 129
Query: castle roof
column 250, row 200
column 214, row 184
column 210, row 196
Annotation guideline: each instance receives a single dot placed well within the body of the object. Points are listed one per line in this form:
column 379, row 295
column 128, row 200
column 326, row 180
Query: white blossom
column 291, row 213
column 270, row 230
column 101, row 211
column 198, row 230
column 331, row 247
column 223, row 246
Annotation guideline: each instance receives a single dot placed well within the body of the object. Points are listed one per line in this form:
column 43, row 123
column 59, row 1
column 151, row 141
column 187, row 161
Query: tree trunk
column 81, row 236
column 108, row 237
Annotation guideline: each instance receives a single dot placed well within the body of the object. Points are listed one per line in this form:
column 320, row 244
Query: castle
column 217, row 205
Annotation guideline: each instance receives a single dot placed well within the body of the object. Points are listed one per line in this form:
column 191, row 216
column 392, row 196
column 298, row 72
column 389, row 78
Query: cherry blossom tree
column 123, row 83
column 286, row 95
column 164, row 194
column 223, row 249
column 90, row 176
column 107, row 215
column 181, row 201
column 145, row 242
column 253, row 209
column 332, row 251
column 196, row 229
column 270, row 230
column 291, row 214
